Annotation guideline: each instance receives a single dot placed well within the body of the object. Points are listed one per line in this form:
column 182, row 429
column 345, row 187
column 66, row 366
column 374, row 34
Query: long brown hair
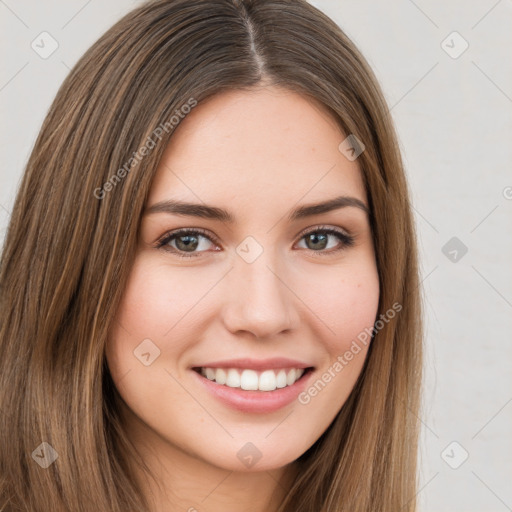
column 72, row 235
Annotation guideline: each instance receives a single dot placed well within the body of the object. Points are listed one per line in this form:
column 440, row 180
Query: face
column 255, row 289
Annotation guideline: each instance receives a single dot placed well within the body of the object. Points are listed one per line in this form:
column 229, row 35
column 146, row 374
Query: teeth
column 290, row 378
column 233, row 380
column 281, row 379
column 248, row 380
column 268, row 380
column 220, row 376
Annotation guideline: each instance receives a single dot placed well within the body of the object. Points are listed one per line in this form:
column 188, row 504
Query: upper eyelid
column 177, row 232
column 323, row 227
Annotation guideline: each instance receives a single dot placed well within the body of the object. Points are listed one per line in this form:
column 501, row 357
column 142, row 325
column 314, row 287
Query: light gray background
column 454, row 119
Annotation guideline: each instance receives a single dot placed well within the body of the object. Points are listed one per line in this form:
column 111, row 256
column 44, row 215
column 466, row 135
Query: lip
column 260, row 402
column 274, row 363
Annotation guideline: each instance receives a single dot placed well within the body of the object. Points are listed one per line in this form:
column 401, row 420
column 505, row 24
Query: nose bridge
column 259, row 300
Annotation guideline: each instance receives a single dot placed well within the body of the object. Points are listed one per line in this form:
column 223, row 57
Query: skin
column 258, row 154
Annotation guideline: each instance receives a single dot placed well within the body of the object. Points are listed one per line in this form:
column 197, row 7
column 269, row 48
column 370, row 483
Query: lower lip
column 255, row 401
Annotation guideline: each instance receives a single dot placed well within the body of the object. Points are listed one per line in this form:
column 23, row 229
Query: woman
column 209, row 284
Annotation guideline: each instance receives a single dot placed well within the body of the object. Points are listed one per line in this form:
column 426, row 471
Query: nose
column 260, row 300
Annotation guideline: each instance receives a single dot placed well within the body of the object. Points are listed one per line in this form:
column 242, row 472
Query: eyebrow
column 211, row 212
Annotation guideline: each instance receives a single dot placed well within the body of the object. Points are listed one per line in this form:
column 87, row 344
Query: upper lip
column 274, row 363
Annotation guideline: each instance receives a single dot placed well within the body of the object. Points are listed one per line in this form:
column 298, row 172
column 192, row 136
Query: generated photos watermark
column 343, row 360
column 137, row 156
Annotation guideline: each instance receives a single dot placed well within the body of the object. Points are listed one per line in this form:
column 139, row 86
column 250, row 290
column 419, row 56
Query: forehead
column 267, row 146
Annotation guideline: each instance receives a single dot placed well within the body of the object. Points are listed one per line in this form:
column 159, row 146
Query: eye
column 317, row 240
column 185, row 242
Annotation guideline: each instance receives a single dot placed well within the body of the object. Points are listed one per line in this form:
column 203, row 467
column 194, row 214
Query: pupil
column 190, row 243
column 317, row 238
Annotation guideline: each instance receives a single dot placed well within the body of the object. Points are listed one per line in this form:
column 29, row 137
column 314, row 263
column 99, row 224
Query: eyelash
column 347, row 240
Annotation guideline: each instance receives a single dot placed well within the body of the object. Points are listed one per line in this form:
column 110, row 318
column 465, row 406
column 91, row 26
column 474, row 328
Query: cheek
column 154, row 302
column 158, row 304
column 147, row 311
column 357, row 309
column 345, row 309
column 344, row 303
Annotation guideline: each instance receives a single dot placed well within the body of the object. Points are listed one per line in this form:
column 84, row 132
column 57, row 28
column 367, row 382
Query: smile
column 250, row 390
column 252, row 380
